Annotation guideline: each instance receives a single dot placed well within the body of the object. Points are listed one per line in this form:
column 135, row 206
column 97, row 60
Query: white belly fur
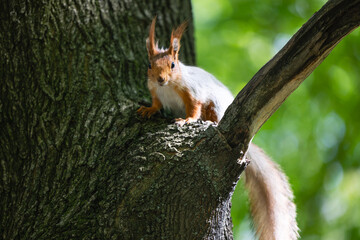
column 171, row 100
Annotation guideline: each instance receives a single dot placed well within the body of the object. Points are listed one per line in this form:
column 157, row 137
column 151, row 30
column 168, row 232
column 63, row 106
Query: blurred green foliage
column 314, row 135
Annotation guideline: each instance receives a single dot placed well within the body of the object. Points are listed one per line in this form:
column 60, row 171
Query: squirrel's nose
column 161, row 80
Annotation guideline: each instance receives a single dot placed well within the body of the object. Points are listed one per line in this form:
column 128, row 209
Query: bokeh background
column 315, row 135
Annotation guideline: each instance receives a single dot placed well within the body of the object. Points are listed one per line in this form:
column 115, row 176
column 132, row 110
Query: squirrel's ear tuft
column 180, row 30
column 150, row 41
column 175, row 39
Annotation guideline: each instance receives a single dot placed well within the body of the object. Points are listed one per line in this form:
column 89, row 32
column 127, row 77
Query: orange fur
column 151, row 43
column 161, row 67
column 208, row 113
column 160, row 61
column 177, row 33
column 192, row 106
column 161, row 71
column 149, row 111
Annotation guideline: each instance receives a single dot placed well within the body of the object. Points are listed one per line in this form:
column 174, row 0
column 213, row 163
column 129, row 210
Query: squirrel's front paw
column 146, row 111
column 181, row 121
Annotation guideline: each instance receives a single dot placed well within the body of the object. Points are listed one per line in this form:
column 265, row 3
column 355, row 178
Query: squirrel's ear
column 175, row 39
column 176, row 44
column 174, row 47
column 150, row 41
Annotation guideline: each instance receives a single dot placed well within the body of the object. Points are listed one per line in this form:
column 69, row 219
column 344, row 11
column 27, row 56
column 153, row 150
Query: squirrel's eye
column 172, row 65
column 149, row 66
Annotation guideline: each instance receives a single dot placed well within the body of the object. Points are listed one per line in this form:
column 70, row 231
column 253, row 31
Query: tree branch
column 275, row 81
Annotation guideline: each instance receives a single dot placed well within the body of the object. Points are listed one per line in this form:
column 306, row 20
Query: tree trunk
column 76, row 160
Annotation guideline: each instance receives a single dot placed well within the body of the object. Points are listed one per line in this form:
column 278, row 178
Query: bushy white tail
column 271, row 198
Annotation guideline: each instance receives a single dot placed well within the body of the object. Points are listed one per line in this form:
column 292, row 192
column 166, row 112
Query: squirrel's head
column 164, row 63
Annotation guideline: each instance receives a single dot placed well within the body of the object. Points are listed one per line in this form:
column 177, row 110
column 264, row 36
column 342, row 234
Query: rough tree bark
column 77, row 162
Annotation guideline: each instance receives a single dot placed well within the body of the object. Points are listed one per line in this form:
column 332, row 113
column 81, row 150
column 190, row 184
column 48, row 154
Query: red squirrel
column 192, row 93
